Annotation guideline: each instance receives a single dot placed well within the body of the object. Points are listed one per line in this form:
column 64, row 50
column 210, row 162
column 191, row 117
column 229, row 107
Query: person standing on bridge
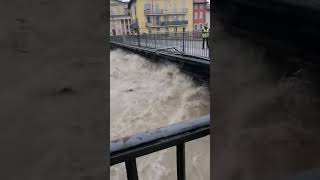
column 205, row 35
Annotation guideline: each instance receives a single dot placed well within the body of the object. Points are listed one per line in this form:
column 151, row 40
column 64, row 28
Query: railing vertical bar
column 139, row 39
column 131, row 167
column 155, row 43
column 181, row 170
column 167, row 39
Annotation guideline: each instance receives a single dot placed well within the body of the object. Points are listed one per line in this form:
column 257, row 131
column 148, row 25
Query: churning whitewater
column 146, row 95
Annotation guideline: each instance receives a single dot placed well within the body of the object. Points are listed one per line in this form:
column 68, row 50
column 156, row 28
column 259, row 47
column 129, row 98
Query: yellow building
column 161, row 15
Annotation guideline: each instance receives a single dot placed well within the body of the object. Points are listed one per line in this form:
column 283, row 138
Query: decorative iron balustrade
column 150, row 12
column 167, row 23
column 176, row 11
column 129, row 148
column 155, row 24
column 174, row 23
column 153, row 12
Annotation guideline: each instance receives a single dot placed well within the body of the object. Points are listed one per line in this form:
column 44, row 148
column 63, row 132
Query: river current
column 145, row 95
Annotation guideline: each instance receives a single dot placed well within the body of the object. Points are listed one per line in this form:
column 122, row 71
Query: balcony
column 155, row 12
column 167, row 23
column 155, row 24
column 177, row 11
column 174, row 23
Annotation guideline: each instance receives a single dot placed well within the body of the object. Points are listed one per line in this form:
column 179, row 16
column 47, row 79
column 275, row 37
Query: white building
column 119, row 18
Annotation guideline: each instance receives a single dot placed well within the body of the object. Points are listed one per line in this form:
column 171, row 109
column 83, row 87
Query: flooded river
column 146, row 95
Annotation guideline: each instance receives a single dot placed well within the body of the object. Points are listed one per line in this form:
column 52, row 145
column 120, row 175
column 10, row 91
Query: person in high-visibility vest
column 205, row 35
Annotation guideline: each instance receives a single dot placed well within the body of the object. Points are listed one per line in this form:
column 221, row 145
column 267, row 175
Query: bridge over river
column 185, row 43
column 184, row 49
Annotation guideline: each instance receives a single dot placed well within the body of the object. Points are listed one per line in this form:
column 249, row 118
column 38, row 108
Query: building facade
column 199, row 14
column 151, row 16
column 119, row 18
column 208, row 15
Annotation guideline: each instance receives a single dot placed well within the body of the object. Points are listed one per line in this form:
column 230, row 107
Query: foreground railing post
column 181, row 169
column 131, row 167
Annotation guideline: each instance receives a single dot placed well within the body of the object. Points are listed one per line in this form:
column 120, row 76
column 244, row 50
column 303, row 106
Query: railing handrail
column 154, row 11
column 189, row 43
column 199, row 32
column 141, row 144
column 164, row 132
column 165, row 11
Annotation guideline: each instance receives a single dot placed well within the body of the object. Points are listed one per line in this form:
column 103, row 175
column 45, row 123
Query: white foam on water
column 146, row 95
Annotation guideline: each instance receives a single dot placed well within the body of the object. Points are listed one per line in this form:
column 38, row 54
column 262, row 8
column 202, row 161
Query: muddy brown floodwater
column 146, row 95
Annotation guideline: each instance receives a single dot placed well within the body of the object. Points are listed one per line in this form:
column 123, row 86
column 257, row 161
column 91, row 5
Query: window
column 196, row 6
column 201, row 14
column 174, row 5
column 184, row 4
column 200, row 26
column 196, row 15
column 165, row 5
column 158, row 29
column 195, row 27
column 156, row 6
column 175, row 29
column 148, row 19
column 147, row 6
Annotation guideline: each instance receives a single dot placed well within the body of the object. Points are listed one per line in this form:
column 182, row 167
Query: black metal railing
column 182, row 43
column 153, row 12
column 129, row 148
column 167, row 23
column 175, row 23
column 165, row 11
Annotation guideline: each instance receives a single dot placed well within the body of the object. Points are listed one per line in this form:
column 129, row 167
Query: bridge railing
column 185, row 43
column 129, row 148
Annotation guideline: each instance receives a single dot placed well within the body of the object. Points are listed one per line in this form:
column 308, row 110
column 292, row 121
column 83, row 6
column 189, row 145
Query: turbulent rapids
column 146, row 95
